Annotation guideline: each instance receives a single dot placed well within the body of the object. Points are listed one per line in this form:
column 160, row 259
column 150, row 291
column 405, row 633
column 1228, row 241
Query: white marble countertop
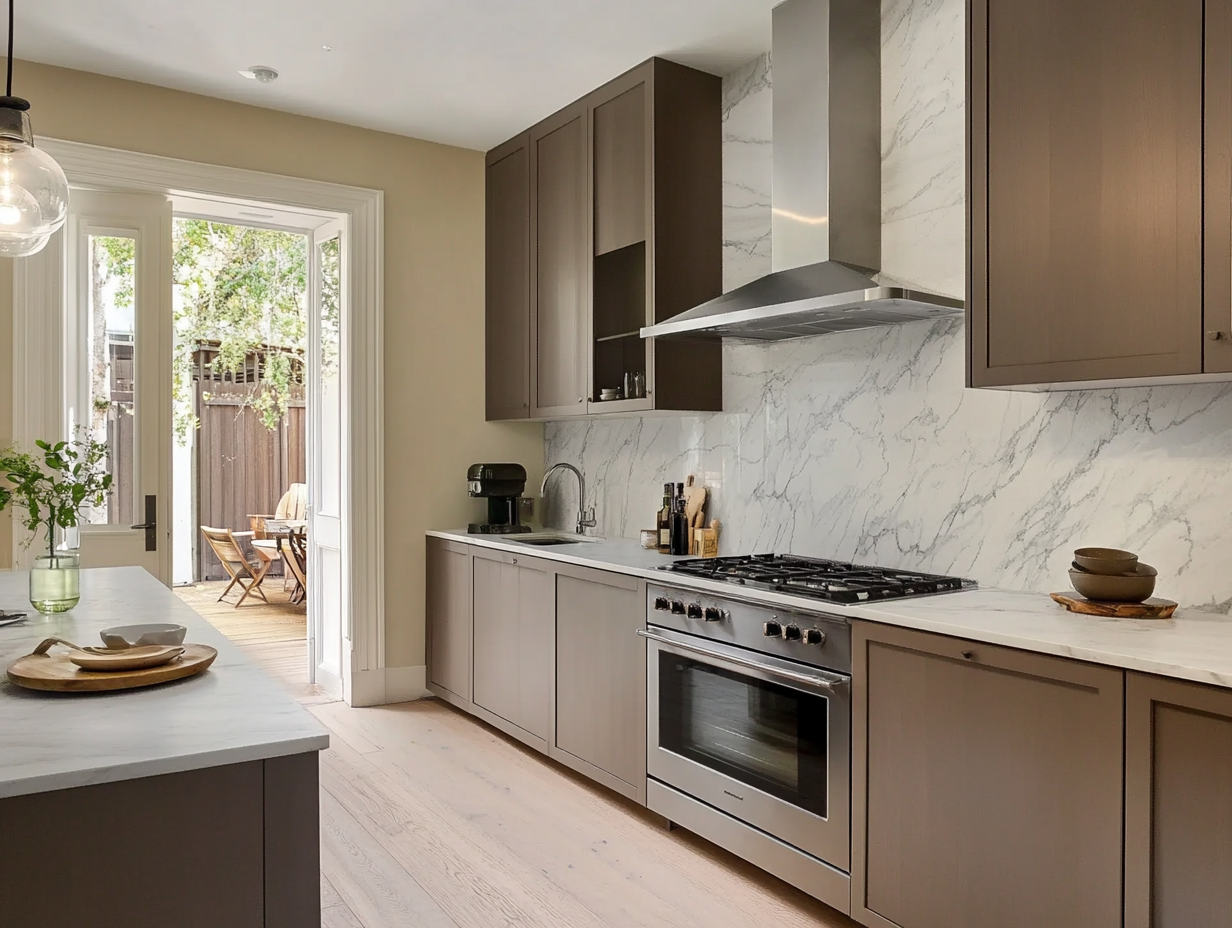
column 1192, row 645
column 231, row 713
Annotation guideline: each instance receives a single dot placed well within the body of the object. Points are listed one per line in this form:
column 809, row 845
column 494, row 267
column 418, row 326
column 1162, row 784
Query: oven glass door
column 763, row 734
column 764, row 739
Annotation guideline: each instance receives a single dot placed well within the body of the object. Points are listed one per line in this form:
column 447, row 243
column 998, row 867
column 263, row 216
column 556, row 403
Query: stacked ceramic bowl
column 1111, row 575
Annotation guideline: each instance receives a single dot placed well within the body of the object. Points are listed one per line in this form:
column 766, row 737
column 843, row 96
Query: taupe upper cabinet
column 624, row 217
column 507, row 333
column 560, row 265
column 1089, row 191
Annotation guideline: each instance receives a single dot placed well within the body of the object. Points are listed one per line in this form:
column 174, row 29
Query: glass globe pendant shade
column 33, row 189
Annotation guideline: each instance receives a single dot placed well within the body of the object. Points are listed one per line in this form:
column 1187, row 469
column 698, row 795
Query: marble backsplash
column 866, row 446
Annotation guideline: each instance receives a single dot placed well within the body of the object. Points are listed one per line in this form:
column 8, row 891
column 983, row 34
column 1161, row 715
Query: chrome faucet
column 585, row 517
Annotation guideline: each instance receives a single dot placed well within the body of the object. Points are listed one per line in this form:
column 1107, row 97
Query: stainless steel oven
column 750, row 715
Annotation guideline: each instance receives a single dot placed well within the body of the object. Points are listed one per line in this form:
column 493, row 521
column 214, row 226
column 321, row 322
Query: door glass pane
column 109, row 384
column 329, row 254
column 768, row 736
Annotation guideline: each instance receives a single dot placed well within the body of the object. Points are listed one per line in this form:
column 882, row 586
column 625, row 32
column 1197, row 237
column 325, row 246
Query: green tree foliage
column 246, row 289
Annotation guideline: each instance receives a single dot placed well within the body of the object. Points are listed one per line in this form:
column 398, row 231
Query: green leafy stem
column 54, row 484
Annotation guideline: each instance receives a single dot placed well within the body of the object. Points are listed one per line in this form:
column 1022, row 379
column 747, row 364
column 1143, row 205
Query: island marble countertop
column 231, row 713
column 1192, row 645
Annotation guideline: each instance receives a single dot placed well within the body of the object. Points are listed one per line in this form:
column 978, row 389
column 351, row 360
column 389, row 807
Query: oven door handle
column 832, row 683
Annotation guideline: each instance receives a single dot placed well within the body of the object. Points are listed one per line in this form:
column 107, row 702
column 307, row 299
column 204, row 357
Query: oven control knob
column 662, row 604
column 714, row 614
column 814, row 636
column 791, row 633
column 694, row 610
column 677, row 607
column 772, row 630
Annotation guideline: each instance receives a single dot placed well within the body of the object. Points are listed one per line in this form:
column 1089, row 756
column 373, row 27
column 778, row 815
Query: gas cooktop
column 831, row 581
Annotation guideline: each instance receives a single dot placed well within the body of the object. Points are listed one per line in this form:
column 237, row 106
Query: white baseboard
column 387, row 685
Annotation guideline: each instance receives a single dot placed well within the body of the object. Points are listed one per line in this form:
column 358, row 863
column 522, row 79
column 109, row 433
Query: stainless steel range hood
column 826, row 231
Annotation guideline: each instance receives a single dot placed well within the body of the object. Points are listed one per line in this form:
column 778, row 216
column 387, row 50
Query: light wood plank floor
column 431, row 819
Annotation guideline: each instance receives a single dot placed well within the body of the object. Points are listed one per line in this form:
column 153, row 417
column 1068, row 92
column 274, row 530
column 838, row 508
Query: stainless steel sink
column 542, row 539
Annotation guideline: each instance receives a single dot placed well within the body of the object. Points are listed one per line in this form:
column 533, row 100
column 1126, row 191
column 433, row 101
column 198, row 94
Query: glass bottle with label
column 664, row 521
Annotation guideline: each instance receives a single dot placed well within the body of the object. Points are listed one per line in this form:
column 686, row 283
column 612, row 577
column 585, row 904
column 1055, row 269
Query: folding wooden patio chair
column 248, row 574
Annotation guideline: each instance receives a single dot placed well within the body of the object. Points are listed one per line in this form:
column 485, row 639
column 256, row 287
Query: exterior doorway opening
column 117, row 196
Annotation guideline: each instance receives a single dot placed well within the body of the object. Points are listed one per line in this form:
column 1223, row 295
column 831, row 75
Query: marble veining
column 866, row 445
column 231, row 713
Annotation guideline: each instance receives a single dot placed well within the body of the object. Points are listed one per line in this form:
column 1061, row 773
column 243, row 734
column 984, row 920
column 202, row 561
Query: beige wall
column 434, row 220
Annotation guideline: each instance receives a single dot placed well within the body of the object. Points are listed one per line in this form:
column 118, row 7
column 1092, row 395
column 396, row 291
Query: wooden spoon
column 152, row 655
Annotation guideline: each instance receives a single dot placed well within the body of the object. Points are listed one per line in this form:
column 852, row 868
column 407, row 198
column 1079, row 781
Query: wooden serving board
column 55, row 672
column 1150, row 609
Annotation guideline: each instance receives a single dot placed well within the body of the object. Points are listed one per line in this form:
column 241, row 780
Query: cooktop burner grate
column 832, row 581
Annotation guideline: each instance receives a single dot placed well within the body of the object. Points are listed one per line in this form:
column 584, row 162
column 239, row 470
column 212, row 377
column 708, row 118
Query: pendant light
column 33, row 189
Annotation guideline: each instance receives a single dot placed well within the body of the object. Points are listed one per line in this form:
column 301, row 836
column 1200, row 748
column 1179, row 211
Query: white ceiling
column 465, row 72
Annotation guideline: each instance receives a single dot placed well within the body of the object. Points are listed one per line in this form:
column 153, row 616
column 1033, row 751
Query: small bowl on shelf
column 1123, row 588
column 1106, row 561
column 120, row 637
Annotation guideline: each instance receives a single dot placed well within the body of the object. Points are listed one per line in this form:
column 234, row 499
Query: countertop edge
column 50, row 782
column 885, row 614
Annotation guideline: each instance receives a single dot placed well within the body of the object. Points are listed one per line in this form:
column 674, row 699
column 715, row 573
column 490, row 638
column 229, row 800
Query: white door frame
column 37, row 392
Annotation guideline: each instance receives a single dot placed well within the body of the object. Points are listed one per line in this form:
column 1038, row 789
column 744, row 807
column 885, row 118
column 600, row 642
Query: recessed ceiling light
column 328, row 48
column 260, row 72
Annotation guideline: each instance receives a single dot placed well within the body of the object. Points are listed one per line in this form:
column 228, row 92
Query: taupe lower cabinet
column 614, row 207
column 546, row 652
column 513, row 604
column 1178, row 804
column 601, row 677
column 987, row 785
column 449, row 603
column 1100, row 174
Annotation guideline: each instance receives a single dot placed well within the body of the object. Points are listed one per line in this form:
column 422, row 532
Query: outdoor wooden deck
column 274, row 635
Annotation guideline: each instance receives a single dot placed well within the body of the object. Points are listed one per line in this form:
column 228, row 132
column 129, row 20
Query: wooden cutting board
column 694, row 507
column 1151, row 609
column 55, row 672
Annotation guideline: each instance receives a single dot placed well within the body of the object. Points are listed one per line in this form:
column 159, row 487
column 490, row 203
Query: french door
column 328, row 648
column 117, row 369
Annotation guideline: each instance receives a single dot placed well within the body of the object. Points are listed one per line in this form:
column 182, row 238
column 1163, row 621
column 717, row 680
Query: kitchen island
column 192, row 803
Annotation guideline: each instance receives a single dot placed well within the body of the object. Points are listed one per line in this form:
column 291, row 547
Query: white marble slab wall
column 866, row 446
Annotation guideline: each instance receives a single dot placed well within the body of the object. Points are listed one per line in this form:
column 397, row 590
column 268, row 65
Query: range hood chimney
column 827, row 190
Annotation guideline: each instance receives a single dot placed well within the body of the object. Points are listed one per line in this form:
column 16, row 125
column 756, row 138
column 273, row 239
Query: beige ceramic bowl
column 134, row 636
column 1126, row 588
column 1106, row 560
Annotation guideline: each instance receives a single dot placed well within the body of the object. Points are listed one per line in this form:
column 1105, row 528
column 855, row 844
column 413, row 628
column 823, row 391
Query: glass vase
column 55, row 582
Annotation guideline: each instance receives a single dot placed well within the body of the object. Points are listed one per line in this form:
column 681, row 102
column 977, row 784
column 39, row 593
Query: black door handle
column 150, row 524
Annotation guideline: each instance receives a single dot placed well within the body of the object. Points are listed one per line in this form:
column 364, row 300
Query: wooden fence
column 243, row 468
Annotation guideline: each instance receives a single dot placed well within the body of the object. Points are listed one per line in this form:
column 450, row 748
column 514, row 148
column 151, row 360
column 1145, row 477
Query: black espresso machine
column 502, row 485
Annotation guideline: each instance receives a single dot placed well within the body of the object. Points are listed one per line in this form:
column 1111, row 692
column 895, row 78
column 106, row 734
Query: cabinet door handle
column 1217, row 336
column 968, row 655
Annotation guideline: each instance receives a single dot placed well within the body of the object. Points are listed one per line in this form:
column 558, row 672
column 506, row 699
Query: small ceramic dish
column 1108, row 561
column 119, row 637
column 1124, row 588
